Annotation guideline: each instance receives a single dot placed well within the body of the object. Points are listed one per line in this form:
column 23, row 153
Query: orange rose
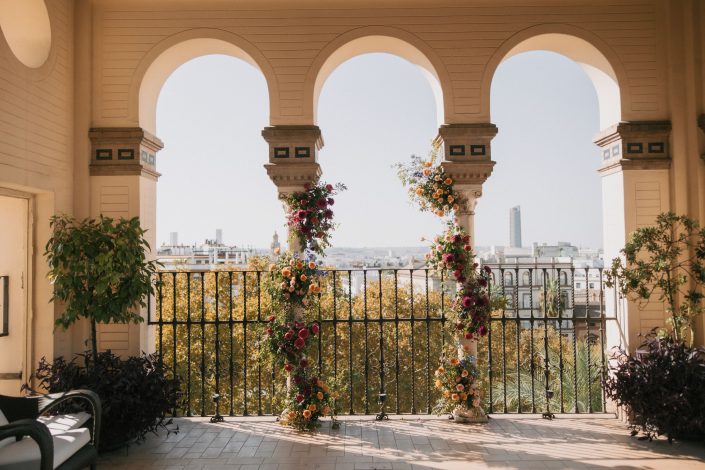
column 439, row 384
column 426, row 172
column 448, row 181
column 286, row 272
column 307, row 414
column 319, row 395
column 454, row 361
column 446, row 393
column 455, row 397
column 312, row 407
column 460, row 387
column 303, row 277
column 311, row 265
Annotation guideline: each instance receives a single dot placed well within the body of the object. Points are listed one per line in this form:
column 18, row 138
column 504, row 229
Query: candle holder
column 217, row 418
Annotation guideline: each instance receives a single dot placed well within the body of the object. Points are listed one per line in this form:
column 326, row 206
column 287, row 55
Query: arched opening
column 210, row 113
column 25, row 25
column 389, row 115
column 163, row 60
column 371, row 41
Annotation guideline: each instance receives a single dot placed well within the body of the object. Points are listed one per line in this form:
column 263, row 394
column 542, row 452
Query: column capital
column 467, row 142
column 117, row 151
column 290, row 178
column 293, row 144
column 636, row 145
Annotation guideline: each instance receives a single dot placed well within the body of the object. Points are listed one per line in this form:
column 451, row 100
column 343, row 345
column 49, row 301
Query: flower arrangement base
column 469, row 415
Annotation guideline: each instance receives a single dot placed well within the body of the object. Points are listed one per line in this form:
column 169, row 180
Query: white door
column 14, row 217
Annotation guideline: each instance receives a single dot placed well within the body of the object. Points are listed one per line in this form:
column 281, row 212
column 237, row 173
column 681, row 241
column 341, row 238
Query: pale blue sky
column 376, row 110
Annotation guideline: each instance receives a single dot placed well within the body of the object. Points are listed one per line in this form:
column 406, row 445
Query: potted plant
column 663, row 384
column 100, row 271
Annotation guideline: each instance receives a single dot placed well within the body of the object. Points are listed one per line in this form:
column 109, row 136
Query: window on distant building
column 526, row 301
column 578, row 285
column 508, row 279
column 526, row 278
column 564, row 279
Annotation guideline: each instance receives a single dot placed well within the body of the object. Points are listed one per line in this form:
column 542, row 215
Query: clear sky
column 376, row 110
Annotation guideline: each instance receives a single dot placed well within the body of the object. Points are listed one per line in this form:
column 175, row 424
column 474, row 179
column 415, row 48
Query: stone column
column 123, row 183
column 636, row 162
column 467, row 160
column 293, row 155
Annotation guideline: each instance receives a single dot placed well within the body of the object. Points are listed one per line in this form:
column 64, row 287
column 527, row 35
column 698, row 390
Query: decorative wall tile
column 302, row 152
column 477, row 150
column 635, row 147
column 104, row 154
column 457, row 150
column 281, row 152
column 126, row 154
column 657, row 147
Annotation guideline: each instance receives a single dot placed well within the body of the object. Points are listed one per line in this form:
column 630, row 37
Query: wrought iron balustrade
column 381, row 337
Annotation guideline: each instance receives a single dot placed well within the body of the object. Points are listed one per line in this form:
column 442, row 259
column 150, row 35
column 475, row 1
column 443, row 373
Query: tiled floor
column 407, row 443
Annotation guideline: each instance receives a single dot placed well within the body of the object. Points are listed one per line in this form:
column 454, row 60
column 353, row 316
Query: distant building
column 275, row 246
column 515, row 227
column 205, row 256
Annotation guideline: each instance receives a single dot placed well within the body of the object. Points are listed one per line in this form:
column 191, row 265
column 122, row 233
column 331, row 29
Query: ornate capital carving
column 293, row 144
column 469, row 174
column 641, row 145
column 467, row 142
column 123, row 151
column 290, row 178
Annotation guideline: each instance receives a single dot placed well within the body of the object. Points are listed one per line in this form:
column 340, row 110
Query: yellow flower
column 286, row 272
column 450, row 198
column 319, row 395
column 448, row 181
column 312, row 407
column 426, row 172
column 465, row 373
column 439, row 384
column 307, row 414
column 454, row 361
column 455, row 397
column 311, row 265
column 303, row 277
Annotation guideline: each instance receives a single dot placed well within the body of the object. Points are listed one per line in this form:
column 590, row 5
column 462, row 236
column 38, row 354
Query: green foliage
column 667, row 260
column 99, row 269
column 134, row 393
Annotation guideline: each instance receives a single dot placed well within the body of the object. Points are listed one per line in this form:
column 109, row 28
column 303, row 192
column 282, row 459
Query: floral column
column 468, row 163
column 293, row 163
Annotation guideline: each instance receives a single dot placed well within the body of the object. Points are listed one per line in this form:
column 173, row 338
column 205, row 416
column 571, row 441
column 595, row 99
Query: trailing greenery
column 135, row 394
column 99, row 270
column 663, row 388
column 665, row 260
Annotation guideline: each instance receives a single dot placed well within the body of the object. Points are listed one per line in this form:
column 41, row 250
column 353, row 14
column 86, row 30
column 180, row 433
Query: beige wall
column 36, row 153
column 464, row 42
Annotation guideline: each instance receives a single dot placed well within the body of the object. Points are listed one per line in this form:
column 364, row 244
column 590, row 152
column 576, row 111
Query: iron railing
column 383, row 339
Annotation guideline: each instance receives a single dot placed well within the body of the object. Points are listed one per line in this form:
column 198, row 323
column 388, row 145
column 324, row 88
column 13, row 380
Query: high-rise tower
column 515, row 227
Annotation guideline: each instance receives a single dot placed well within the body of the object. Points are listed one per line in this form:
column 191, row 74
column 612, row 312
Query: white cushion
column 61, row 423
column 25, row 453
column 4, row 421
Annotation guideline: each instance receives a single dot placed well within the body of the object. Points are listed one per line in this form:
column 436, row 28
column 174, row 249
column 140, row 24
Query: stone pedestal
column 636, row 162
column 123, row 183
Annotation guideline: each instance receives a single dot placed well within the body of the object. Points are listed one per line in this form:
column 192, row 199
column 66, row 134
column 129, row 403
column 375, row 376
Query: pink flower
column 301, row 214
column 457, row 274
column 307, row 186
column 467, row 248
column 482, row 330
column 321, row 203
column 303, row 333
column 314, row 220
column 467, row 302
column 468, row 335
column 303, row 362
column 329, row 187
column 299, row 343
column 331, row 201
column 270, row 331
column 488, row 270
column 448, row 258
column 288, row 367
column 328, row 213
column 315, row 328
column 299, row 398
column 271, row 318
column 456, row 238
column 298, row 379
column 289, row 334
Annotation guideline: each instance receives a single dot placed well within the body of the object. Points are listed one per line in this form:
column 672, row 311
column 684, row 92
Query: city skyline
column 218, row 180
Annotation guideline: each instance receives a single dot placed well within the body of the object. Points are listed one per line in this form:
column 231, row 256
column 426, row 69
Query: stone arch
column 378, row 39
column 599, row 61
column 161, row 61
